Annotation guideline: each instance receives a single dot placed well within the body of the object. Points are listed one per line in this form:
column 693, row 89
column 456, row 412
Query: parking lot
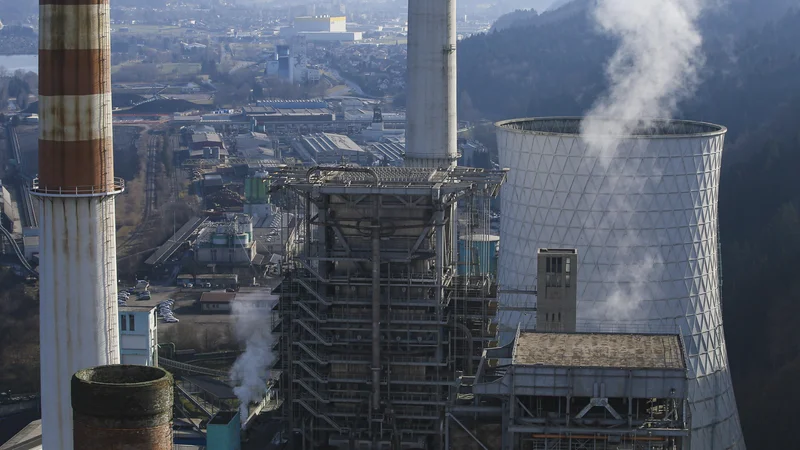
column 201, row 331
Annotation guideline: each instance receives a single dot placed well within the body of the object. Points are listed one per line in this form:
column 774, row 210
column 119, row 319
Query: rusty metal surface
column 75, row 111
column 73, row 72
column 71, row 164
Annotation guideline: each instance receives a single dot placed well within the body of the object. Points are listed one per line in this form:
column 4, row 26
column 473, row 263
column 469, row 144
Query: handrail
column 325, row 340
column 117, row 186
column 318, row 415
column 191, row 368
column 320, row 359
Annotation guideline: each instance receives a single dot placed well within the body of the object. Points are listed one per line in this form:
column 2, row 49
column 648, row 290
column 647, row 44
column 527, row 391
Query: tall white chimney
column 76, row 189
column 431, row 122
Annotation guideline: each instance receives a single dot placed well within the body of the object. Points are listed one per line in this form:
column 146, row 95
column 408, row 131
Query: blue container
column 224, row 431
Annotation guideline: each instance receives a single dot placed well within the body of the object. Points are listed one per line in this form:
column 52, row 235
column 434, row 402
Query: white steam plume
column 251, row 370
column 655, row 67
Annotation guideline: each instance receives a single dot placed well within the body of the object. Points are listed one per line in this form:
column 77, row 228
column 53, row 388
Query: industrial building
column 644, row 223
column 204, row 140
column 575, row 391
column 375, row 322
column 322, row 28
column 138, row 335
column 329, row 148
column 259, row 116
column 228, row 242
column 391, row 152
column 557, row 295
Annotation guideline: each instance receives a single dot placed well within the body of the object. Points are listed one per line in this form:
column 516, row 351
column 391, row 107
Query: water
column 16, row 62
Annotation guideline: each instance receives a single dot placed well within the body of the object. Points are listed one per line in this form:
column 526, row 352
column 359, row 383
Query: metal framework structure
column 374, row 322
column 571, row 391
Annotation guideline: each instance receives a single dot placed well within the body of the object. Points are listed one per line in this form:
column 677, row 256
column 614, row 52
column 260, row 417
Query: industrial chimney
column 122, row 407
column 76, row 188
column 431, row 122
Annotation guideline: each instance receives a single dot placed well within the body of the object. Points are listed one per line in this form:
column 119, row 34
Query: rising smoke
column 655, row 67
column 251, row 370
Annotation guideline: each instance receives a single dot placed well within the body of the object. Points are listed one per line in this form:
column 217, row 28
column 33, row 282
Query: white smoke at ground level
column 655, row 67
column 251, row 370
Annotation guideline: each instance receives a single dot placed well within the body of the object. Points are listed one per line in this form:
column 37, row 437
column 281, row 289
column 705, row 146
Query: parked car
column 145, row 295
column 171, row 319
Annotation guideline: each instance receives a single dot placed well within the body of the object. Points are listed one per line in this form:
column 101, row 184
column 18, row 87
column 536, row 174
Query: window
column 559, row 317
column 131, row 326
column 567, row 274
column 123, row 323
column 554, row 269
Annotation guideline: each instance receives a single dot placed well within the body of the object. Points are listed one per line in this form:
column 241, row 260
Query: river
column 16, row 62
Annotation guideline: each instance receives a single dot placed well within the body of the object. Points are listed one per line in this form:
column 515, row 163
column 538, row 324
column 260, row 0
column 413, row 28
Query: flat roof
column 630, row 351
column 137, row 308
column 217, row 297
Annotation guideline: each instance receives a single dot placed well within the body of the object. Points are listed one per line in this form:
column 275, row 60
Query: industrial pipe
column 376, row 306
column 122, row 407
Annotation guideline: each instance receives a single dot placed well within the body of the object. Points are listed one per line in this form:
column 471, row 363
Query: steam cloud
column 655, row 67
column 251, row 370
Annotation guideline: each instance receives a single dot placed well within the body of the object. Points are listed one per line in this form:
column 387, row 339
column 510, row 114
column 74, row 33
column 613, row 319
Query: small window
column 131, row 326
column 124, row 323
column 559, row 317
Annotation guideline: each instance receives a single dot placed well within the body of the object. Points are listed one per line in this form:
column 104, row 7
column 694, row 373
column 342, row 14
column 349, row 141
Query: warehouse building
column 328, row 148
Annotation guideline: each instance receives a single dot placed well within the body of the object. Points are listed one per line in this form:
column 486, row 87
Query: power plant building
column 572, row 391
column 230, row 242
column 375, row 323
column 557, row 299
column 642, row 215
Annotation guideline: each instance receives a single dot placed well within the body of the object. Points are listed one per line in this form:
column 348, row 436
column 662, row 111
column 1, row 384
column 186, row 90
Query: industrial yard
column 281, row 228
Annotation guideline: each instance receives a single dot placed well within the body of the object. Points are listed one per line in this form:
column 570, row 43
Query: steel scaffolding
column 376, row 326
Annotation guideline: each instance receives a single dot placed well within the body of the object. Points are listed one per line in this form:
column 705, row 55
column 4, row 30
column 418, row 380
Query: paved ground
column 196, row 330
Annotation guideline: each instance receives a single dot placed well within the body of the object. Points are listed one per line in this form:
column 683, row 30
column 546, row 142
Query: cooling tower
column 75, row 188
column 431, row 122
column 642, row 213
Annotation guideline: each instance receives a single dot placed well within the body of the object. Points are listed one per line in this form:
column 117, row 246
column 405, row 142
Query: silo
column 642, row 213
column 122, row 407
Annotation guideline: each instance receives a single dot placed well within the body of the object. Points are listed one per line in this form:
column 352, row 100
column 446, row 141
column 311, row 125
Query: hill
column 750, row 84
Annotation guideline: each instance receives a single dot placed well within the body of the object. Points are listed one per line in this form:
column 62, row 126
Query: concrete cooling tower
column 642, row 213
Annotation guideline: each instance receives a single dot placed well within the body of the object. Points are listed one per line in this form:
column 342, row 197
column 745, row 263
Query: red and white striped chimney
column 76, row 188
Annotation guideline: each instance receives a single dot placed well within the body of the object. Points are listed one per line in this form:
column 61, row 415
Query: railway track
column 150, row 196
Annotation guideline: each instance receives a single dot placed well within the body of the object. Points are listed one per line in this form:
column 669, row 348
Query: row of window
column 127, row 325
column 558, row 272
column 552, row 317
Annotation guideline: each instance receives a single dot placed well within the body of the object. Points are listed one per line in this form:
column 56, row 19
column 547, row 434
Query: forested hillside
column 751, row 84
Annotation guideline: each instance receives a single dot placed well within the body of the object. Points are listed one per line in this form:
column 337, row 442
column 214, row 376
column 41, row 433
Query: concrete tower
column 432, row 124
column 76, row 188
column 643, row 218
